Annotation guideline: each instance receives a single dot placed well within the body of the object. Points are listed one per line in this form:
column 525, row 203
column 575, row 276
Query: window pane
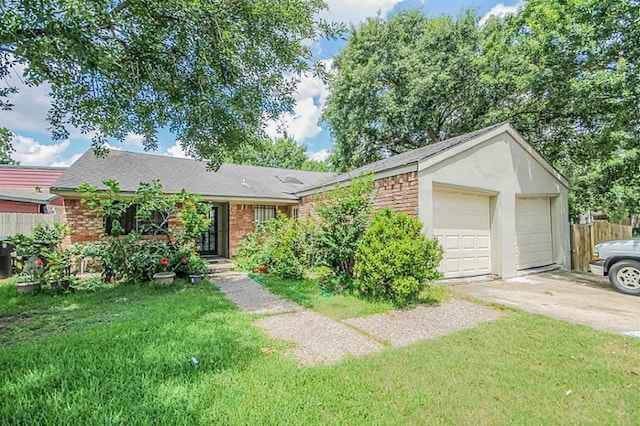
column 264, row 213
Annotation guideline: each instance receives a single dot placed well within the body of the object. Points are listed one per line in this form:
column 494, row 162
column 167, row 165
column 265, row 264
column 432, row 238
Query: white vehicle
column 620, row 261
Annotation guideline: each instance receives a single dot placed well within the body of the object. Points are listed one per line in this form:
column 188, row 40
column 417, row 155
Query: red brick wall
column 400, row 192
column 87, row 226
column 241, row 223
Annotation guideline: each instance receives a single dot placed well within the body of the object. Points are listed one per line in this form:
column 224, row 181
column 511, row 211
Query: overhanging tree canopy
column 212, row 72
column 566, row 73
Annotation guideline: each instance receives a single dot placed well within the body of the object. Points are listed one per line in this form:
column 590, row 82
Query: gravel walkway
column 321, row 340
column 251, row 297
column 402, row 328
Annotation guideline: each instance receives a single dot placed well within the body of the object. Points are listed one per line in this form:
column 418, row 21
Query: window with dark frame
column 264, row 213
column 130, row 222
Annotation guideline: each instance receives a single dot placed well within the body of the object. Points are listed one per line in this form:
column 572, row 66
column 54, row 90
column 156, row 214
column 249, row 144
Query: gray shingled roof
column 175, row 174
column 406, row 158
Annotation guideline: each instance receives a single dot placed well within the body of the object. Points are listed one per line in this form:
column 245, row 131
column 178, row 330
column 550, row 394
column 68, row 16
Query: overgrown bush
column 343, row 217
column 395, row 258
column 42, row 255
column 132, row 258
column 276, row 245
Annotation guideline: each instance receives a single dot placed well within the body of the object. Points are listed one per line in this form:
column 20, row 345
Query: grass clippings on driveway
column 123, row 356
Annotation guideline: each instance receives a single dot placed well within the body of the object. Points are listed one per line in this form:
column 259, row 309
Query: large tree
column 404, row 83
column 566, row 73
column 283, row 152
column 212, row 72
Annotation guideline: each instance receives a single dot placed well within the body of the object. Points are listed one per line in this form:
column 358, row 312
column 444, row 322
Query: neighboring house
column 493, row 202
column 25, row 189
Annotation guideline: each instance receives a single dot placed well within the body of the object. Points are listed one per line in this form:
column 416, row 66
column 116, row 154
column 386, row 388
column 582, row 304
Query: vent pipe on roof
column 244, row 183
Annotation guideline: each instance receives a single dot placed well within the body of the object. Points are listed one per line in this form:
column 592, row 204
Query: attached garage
column 462, row 226
column 534, row 247
column 495, row 205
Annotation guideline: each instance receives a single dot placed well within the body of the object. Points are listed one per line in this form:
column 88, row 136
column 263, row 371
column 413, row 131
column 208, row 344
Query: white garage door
column 462, row 226
column 533, row 233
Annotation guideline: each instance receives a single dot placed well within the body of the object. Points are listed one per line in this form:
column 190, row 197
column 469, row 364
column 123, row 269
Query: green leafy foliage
column 563, row 72
column 274, row 244
column 5, row 147
column 395, row 258
column 53, row 264
column 213, row 72
column 133, row 259
column 343, row 216
column 285, row 153
column 403, row 83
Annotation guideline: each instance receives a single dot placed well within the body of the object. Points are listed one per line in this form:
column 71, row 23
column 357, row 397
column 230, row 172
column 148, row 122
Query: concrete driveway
column 567, row 295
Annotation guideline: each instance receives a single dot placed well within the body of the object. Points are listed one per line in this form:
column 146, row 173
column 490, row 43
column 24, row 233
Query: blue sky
column 34, row 146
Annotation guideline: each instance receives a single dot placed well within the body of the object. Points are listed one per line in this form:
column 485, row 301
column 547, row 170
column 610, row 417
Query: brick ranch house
column 496, row 206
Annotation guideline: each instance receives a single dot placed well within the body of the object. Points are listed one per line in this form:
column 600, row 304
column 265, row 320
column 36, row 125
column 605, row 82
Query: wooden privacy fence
column 584, row 237
column 23, row 223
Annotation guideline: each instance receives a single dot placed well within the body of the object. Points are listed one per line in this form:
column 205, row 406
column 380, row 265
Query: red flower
column 164, row 261
column 282, row 232
column 293, row 223
column 184, row 260
column 39, row 262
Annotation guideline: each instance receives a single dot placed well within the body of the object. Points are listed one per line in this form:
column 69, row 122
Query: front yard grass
column 123, row 355
column 307, row 293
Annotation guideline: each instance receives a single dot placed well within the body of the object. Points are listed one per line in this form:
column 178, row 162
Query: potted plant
column 197, row 268
column 30, row 279
column 164, row 277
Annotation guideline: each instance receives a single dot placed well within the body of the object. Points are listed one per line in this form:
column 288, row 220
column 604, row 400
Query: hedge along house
column 494, row 204
column 239, row 195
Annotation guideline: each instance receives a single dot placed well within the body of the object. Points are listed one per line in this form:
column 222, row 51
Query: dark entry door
column 208, row 242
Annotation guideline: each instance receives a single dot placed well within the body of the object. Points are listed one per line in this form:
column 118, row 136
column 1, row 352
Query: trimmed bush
column 394, row 259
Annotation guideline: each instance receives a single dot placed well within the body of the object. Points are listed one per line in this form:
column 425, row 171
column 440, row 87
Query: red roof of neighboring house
column 29, row 176
column 22, row 187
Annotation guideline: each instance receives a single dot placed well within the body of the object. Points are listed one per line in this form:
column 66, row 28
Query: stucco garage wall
column 502, row 168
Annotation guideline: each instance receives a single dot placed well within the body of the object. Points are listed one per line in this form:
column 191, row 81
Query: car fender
column 613, row 259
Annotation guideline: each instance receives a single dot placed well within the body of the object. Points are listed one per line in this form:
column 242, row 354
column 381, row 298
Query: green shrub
column 395, row 259
column 276, row 245
column 343, row 217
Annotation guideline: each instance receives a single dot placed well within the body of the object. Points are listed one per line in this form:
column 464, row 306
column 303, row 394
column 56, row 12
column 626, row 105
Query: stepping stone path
column 322, row 340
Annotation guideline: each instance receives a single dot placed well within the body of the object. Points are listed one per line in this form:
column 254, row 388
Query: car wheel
column 625, row 276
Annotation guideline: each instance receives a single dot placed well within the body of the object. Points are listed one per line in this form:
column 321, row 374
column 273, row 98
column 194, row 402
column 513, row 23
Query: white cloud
column 30, row 105
column 310, row 99
column 113, row 147
column 354, row 11
column 133, row 139
column 67, row 161
column 499, row 10
column 28, row 151
column 176, row 151
column 321, row 155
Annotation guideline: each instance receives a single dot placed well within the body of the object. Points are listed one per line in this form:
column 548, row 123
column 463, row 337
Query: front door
column 208, row 242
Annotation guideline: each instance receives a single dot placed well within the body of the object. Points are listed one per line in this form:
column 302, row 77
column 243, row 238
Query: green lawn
column 122, row 355
column 307, row 293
